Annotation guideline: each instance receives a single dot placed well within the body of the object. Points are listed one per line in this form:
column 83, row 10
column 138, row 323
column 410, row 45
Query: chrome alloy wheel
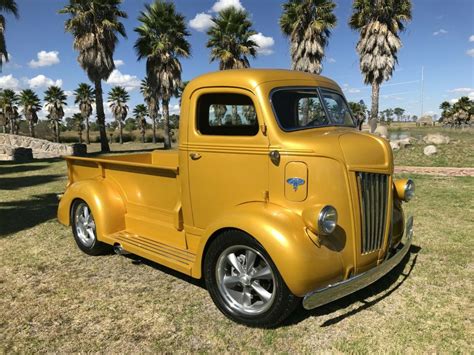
column 85, row 225
column 245, row 280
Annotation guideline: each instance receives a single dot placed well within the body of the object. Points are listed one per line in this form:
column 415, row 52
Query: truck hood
column 357, row 150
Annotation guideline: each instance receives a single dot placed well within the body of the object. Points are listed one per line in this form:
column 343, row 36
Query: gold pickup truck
column 273, row 196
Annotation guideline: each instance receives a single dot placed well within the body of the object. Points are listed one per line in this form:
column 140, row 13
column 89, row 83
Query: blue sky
column 440, row 38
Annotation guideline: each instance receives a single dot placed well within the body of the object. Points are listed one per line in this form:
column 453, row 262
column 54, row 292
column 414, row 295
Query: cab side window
column 226, row 115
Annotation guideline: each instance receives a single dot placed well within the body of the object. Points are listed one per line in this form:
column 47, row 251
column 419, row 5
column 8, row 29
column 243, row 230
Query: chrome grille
column 373, row 192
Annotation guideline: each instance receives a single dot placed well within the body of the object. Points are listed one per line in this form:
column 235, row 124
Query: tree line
column 162, row 41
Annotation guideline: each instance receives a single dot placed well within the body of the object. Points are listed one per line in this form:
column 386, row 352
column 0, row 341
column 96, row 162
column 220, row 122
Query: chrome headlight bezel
column 327, row 220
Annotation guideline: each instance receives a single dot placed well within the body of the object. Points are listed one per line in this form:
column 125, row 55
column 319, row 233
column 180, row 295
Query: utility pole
column 422, row 88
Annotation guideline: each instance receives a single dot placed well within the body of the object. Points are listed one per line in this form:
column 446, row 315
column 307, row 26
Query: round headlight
column 409, row 190
column 327, row 220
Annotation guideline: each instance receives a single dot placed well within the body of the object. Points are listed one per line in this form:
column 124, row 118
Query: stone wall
column 40, row 148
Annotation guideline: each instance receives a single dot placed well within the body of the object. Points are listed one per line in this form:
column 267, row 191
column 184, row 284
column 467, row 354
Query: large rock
column 394, row 145
column 436, row 138
column 381, row 131
column 41, row 148
column 430, row 150
column 18, row 154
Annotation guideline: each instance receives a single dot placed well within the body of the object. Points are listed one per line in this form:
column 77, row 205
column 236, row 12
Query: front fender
column 302, row 264
column 104, row 200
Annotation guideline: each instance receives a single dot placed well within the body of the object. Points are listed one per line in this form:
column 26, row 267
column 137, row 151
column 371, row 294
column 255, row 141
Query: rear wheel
column 84, row 230
column 244, row 282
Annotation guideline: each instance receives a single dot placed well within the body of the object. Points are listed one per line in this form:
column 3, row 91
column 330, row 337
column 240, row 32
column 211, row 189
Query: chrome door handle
column 195, row 156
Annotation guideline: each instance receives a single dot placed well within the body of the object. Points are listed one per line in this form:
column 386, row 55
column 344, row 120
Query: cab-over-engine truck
column 273, row 196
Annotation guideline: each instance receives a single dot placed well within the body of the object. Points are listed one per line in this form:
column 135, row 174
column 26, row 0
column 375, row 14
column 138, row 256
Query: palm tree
column 139, row 112
column 9, row 99
column 95, row 25
column 31, row 105
column 379, row 23
column 162, row 40
column 55, row 100
column 229, row 39
column 359, row 111
column 308, row 24
column 6, row 6
column 117, row 100
column 152, row 103
column 85, row 97
column 78, row 119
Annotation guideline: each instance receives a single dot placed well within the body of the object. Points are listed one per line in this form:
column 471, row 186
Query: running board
column 181, row 260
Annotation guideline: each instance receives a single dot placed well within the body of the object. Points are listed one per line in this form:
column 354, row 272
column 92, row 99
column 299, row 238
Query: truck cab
column 273, row 196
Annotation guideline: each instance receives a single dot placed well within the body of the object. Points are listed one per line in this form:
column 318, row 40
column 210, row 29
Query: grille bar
column 373, row 191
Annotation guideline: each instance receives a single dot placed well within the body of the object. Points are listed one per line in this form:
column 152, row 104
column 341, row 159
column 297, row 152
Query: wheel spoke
column 247, row 298
column 235, row 263
column 230, row 281
column 90, row 232
column 238, row 296
column 86, row 213
column 263, row 274
column 264, row 294
column 250, row 257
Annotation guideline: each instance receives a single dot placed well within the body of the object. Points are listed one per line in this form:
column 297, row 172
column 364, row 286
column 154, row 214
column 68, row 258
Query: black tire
column 89, row 244
column 279, row 306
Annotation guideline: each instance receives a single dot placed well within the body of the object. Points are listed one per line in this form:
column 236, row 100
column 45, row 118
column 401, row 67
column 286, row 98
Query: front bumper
column 338, row 290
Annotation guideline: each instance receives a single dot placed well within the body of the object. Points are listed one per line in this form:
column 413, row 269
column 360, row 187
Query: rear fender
column 104, row 200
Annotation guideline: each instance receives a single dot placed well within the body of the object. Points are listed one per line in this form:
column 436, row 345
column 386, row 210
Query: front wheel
column 244, row 283
column 84, row 230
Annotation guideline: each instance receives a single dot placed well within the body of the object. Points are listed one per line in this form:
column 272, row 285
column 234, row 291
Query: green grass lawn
column 54, row 298
column 458, row 153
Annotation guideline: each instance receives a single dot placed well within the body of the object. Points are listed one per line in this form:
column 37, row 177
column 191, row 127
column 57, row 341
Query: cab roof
column 251, row 78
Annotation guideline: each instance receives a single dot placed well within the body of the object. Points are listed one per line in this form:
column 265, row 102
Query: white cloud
column 201, row 22
column 69, row 93
column 264, row 43
column 224, row 4
column 41, row 81
column 461, row 90
column 471, row 38
column 346, row 88
column 174, row 109
column 9, row 82
column 471, row 95
column 45, row 59
column 11, row 64
column 453, row 101
column 332, row 60
column 130, row 82
column 440, row 32
column 118, row 62
column 470, row 52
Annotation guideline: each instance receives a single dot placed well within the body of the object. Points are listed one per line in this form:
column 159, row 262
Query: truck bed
column 149, row 186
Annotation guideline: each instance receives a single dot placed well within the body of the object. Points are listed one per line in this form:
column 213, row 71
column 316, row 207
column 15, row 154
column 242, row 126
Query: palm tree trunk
column 99, row 107
column 374, row 111
column 12, row 126
column 80, row 136
column 87, row 130
column 143, row 134
column 305, row 111
column 154, row 130
column 120, row 132
column 32, row 128
column 166, row 125
column 56, row 128
column 234, row 115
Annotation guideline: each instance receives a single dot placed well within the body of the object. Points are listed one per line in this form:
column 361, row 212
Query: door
column 228, row 153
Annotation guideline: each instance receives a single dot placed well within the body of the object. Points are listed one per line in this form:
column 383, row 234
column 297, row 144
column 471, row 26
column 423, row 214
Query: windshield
column 297, row 109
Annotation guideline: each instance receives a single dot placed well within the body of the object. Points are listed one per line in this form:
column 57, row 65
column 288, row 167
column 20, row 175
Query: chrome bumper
column 338, row 290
